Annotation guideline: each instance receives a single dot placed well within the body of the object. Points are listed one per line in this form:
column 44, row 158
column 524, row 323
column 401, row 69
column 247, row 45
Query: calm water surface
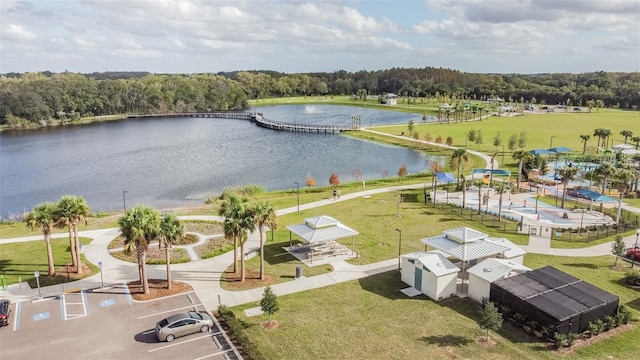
column 176, row 162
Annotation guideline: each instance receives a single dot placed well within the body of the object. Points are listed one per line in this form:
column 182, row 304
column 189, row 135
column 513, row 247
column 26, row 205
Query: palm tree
column 171, row 230
column 597, row 133
column 463, row 183
column 264, row 216
column 501, row 188
column 231, row 206
column 623, row 178
column 604, row 172
column 71, row 210
column 627, row 134
column 521, row 156
column 636, row 139
column 585, row 138
column 567, row 174
column 605, row 137
column 459, row 156
column 139, row 226
column 42, row 217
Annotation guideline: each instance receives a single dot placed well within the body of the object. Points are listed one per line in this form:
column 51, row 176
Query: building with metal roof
column 489, row 270
column 429, row 273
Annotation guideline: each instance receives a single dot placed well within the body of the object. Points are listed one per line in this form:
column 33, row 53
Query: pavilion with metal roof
column 471, row 246
column 318, row 231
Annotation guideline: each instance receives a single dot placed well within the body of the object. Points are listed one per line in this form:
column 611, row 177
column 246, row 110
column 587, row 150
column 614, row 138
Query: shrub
column 632, row 278
column 623, row 315
column 519, row 319
column 596, row 327
column 571, row 338
column 559, row 339
column 546, row 332
column 610, row 322
column 532, row 325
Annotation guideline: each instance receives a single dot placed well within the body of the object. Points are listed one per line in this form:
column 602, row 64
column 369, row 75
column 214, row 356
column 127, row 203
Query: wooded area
column 40, row 97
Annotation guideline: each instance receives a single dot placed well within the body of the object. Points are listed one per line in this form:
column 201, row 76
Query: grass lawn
column 371, row 319
column 376, row 219
column 18, row 261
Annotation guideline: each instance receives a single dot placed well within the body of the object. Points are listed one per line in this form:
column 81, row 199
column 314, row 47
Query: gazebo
column 319, row 230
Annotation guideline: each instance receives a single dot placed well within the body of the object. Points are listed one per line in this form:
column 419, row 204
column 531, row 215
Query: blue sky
column 189, row 36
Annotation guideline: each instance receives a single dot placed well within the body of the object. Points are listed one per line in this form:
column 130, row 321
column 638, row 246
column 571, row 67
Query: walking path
column 205, row 275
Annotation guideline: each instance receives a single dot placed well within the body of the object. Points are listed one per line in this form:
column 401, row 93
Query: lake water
column 176, row 162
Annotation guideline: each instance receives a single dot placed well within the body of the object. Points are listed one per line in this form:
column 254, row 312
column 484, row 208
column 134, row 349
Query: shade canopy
column 539, row 151
column 319, row 229
column 445, row 177
column 590, row 195
column 560, row 150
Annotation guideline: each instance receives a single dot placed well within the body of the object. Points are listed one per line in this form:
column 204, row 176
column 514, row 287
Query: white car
column 183, row 324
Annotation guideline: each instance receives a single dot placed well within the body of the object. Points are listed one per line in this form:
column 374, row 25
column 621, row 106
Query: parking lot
column 105, row 324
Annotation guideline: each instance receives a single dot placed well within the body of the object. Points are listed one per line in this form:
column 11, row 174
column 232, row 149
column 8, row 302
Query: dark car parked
column 5, row 310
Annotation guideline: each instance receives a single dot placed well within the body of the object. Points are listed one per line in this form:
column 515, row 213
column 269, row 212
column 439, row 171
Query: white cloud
column 17, row 32
column 483, row 35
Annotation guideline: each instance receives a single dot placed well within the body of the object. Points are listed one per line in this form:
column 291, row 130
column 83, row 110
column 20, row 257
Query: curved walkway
column 205, row 275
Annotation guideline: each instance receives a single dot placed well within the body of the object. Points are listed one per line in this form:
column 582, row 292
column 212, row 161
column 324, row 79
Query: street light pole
column 298, row 191
column 633, row 258
column 550, row 147
column 124, row 200
column 503, row 155
column 101, row 278
column 399, row 246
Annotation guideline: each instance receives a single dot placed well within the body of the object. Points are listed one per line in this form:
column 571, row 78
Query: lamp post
column 298, row 191
column 124, row 200
column 502, row 155
column 633, row 258
column 101, row 278
column 550, row 146
column 400, row 246
column 37, row 275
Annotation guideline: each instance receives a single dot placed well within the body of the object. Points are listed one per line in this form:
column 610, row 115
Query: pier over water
column 259, row 120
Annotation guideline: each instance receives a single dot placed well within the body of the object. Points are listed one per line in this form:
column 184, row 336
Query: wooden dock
column 259, row 120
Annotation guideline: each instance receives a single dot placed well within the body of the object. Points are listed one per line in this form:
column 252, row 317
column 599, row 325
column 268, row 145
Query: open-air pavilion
column 319, row 234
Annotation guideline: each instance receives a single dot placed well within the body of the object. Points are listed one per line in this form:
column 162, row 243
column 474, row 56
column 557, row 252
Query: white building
column 430, row 273
column 489, row 270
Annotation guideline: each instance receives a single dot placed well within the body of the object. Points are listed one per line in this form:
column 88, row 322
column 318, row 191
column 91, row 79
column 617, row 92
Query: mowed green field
column 371, row 319
column 565, row 128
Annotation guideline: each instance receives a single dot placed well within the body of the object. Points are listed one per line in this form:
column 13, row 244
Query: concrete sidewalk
column 204, row 275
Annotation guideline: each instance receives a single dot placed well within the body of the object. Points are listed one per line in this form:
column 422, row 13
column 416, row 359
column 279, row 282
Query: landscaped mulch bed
column 157, row 289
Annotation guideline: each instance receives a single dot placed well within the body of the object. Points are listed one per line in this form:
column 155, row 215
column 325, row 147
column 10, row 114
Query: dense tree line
column 39, row 97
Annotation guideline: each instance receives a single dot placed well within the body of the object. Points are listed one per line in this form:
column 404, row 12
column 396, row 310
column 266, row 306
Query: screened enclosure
column 554, row 299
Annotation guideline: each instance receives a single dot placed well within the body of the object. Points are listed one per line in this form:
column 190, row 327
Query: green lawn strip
column 566, row 129
column 376, row 219
column 371, row 318
column 578, row 242
column 19, row 261
column 178, row 256
column 13, row 229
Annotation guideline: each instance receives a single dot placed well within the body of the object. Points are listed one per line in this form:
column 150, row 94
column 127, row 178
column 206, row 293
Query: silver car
column 183, row 324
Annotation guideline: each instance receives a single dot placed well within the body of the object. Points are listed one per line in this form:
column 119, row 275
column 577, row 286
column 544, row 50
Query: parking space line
column 126, row 291
column 214, row 354
column 66, row 304
column 179, row 343
column 167, row 311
